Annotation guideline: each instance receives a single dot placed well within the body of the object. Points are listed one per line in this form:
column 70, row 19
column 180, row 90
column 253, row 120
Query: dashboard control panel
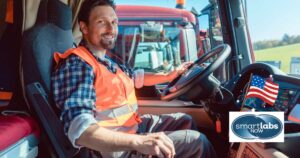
column 285, row 101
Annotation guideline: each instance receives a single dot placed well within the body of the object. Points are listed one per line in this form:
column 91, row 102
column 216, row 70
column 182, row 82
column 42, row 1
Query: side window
column 210, row 34
column 275, row 33
column 215, row 28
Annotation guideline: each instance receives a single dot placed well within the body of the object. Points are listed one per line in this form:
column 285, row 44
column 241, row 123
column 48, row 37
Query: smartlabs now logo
column 256, row 127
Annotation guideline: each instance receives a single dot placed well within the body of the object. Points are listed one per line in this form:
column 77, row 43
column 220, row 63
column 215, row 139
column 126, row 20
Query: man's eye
column 100, row 22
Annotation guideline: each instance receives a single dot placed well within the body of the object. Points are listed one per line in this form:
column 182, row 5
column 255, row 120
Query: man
column 99, row 107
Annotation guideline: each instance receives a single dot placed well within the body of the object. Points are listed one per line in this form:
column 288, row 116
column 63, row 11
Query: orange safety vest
column 116, row 103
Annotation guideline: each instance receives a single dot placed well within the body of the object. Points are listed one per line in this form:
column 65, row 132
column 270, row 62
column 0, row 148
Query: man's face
column 102, row 29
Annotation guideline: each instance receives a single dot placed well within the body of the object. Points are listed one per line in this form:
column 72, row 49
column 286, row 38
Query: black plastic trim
column 39, row 101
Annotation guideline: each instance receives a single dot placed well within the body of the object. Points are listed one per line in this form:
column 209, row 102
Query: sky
column 271, row 19
column 267, row 19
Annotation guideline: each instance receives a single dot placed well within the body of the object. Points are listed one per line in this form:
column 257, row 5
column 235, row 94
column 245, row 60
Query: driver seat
column 51, row 33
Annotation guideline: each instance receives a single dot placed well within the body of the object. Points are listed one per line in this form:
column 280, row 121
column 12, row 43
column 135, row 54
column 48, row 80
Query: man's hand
column 155, row 144
column 179, row 70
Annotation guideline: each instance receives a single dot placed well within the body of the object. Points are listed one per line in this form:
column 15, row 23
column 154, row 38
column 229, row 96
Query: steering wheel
column 197, row 73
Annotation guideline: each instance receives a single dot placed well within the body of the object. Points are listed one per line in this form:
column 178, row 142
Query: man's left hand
column 179, row 70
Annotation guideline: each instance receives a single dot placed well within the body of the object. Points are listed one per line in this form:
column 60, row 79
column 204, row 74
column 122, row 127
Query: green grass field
column 282, row 54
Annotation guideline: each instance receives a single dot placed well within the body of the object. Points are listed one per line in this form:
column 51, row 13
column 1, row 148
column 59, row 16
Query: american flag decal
column 264, row 89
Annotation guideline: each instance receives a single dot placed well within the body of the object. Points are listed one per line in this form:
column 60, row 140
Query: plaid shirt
column 73, row 88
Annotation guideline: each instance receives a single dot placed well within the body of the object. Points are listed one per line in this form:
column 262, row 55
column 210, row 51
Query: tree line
column 286, row 40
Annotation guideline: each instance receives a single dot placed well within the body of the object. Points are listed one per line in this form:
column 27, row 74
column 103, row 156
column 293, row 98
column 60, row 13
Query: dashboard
column 288, row 94
column 287, row 99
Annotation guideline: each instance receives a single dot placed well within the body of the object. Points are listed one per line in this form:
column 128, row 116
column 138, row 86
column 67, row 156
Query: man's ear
column 83, row 27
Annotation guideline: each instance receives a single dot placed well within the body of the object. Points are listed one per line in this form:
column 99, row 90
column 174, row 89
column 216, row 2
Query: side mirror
column 204, row 43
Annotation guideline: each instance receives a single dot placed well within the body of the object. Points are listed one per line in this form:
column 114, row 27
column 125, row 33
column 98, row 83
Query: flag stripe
column 255, row 89
column 254, row 96
column 271, row 90
column 258, row 95
column 273, row 85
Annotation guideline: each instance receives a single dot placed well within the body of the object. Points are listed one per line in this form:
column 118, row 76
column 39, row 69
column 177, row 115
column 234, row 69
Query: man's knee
column 195, row 137
column 200, row 143
column 188, row 121
column 184, row 116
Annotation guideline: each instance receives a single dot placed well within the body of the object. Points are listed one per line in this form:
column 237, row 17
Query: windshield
column 157, row 36
column 152, row 46
column 275, row 33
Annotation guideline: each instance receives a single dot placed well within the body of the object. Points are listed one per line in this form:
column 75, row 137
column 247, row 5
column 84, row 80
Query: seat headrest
column 59, row 14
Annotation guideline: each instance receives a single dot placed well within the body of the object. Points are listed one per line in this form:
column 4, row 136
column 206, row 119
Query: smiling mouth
column 108, row 37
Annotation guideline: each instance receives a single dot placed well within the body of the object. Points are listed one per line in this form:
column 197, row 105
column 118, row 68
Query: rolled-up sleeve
column 138, row 76
column 78, row 125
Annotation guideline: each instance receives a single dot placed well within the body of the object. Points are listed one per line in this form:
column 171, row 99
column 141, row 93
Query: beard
column 107, row 44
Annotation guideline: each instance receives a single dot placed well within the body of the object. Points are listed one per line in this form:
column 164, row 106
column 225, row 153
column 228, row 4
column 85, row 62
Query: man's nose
column 110, row 27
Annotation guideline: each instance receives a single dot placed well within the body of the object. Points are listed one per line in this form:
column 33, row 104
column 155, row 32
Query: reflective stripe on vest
column 116, row 103
column 124, row 128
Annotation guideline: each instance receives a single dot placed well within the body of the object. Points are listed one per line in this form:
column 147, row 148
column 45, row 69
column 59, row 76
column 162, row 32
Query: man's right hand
column 155, row 144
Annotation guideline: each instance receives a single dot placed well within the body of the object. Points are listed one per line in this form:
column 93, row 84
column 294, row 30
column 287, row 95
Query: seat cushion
column 14, row 128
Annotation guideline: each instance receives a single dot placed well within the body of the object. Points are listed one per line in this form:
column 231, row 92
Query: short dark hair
column 88, row 5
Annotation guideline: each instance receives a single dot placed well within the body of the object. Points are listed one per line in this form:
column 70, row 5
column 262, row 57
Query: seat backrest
column 52, row 32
